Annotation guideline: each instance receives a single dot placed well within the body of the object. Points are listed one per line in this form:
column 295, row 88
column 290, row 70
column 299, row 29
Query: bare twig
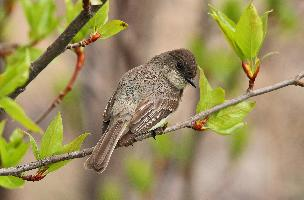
column 69, row 86
column 58, row 46
column 16, row 171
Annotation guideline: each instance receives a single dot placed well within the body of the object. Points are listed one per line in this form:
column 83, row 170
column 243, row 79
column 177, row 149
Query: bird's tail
column 103, row 150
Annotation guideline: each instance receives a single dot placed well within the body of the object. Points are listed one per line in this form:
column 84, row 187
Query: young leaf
column 16, row 154
column 265, row 23
column 13, row 151
column 41, row 17
column 16, row 137
column 16, row 72
column 72, row 10
column 229, row 119
column 208, row 97
column 34, row 146
column 16, row 112
column 99, row 19
column 249, row 32
column 228, row 27
column 111, row 28
column 51, row 142
column 226, row 24
column 11, row 182
column 72, row 146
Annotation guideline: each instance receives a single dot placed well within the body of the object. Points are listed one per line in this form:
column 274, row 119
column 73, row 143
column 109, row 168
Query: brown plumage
column 145, row 95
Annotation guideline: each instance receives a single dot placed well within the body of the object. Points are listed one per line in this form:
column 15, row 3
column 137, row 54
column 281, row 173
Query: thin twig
column 16, row 171
column 83, row 43
column 69, row 86
column 58, row 46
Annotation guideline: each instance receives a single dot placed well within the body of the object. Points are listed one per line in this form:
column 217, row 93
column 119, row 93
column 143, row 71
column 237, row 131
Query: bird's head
column 179, row 66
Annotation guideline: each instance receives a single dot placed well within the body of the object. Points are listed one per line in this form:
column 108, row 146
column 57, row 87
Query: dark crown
column 185, row 62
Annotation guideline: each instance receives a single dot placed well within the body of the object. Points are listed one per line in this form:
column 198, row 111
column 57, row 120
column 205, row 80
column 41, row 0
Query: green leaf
column 226, row 24
column 16, row 137
column 227, row 120
column 41, row 17
column 249, row 32
column 264, row 19
column 17, row 113
column 72, row 10
column 17, row 153
column 99, row 19
column 16, row 72
column 34, row 146
column 72, row 146
column 75, row 144
column 11, row 182
column 12, row 152
column 228, row 27
column 140, row 174
column 208, row 97
column 51, row 142
column 2, row 125
column 111, row 28
column 232, row 8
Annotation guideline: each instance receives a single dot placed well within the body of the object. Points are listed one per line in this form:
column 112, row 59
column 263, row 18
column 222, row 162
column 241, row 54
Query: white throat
column 176, row 80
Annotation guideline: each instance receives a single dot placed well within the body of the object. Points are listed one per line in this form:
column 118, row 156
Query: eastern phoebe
column 145, row 96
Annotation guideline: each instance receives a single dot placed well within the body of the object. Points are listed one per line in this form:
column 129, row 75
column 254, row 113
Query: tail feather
column 103, row 150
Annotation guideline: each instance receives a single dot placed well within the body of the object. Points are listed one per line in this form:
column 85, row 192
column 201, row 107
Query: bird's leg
column 159, row 130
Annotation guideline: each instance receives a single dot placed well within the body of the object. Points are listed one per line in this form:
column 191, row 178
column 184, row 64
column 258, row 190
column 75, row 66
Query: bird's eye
column 179, row 65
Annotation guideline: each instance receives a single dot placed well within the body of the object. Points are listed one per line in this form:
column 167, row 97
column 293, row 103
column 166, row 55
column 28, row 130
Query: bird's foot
column 159, row 130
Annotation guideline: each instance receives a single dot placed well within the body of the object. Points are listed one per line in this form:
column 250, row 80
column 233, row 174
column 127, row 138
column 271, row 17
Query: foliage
column 226, row 120
column 43, row 20
column 11, row 153
column 41, row 17
column 246, row 37
column 15, row 75
column 99, row 23
column 51, row 143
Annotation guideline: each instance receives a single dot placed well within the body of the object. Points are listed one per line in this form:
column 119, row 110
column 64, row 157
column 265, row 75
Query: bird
column 145, row 96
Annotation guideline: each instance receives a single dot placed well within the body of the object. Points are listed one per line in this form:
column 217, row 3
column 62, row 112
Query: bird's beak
column 191, row 82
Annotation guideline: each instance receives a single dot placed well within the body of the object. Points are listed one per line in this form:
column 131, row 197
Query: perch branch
column 59, row 45
column 16, row 171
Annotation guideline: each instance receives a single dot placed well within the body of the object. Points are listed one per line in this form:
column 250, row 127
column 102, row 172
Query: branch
column 59, row 45
column 16, row 171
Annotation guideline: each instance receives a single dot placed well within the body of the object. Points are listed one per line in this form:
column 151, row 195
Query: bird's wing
column 107, row 114
column 150, row 112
